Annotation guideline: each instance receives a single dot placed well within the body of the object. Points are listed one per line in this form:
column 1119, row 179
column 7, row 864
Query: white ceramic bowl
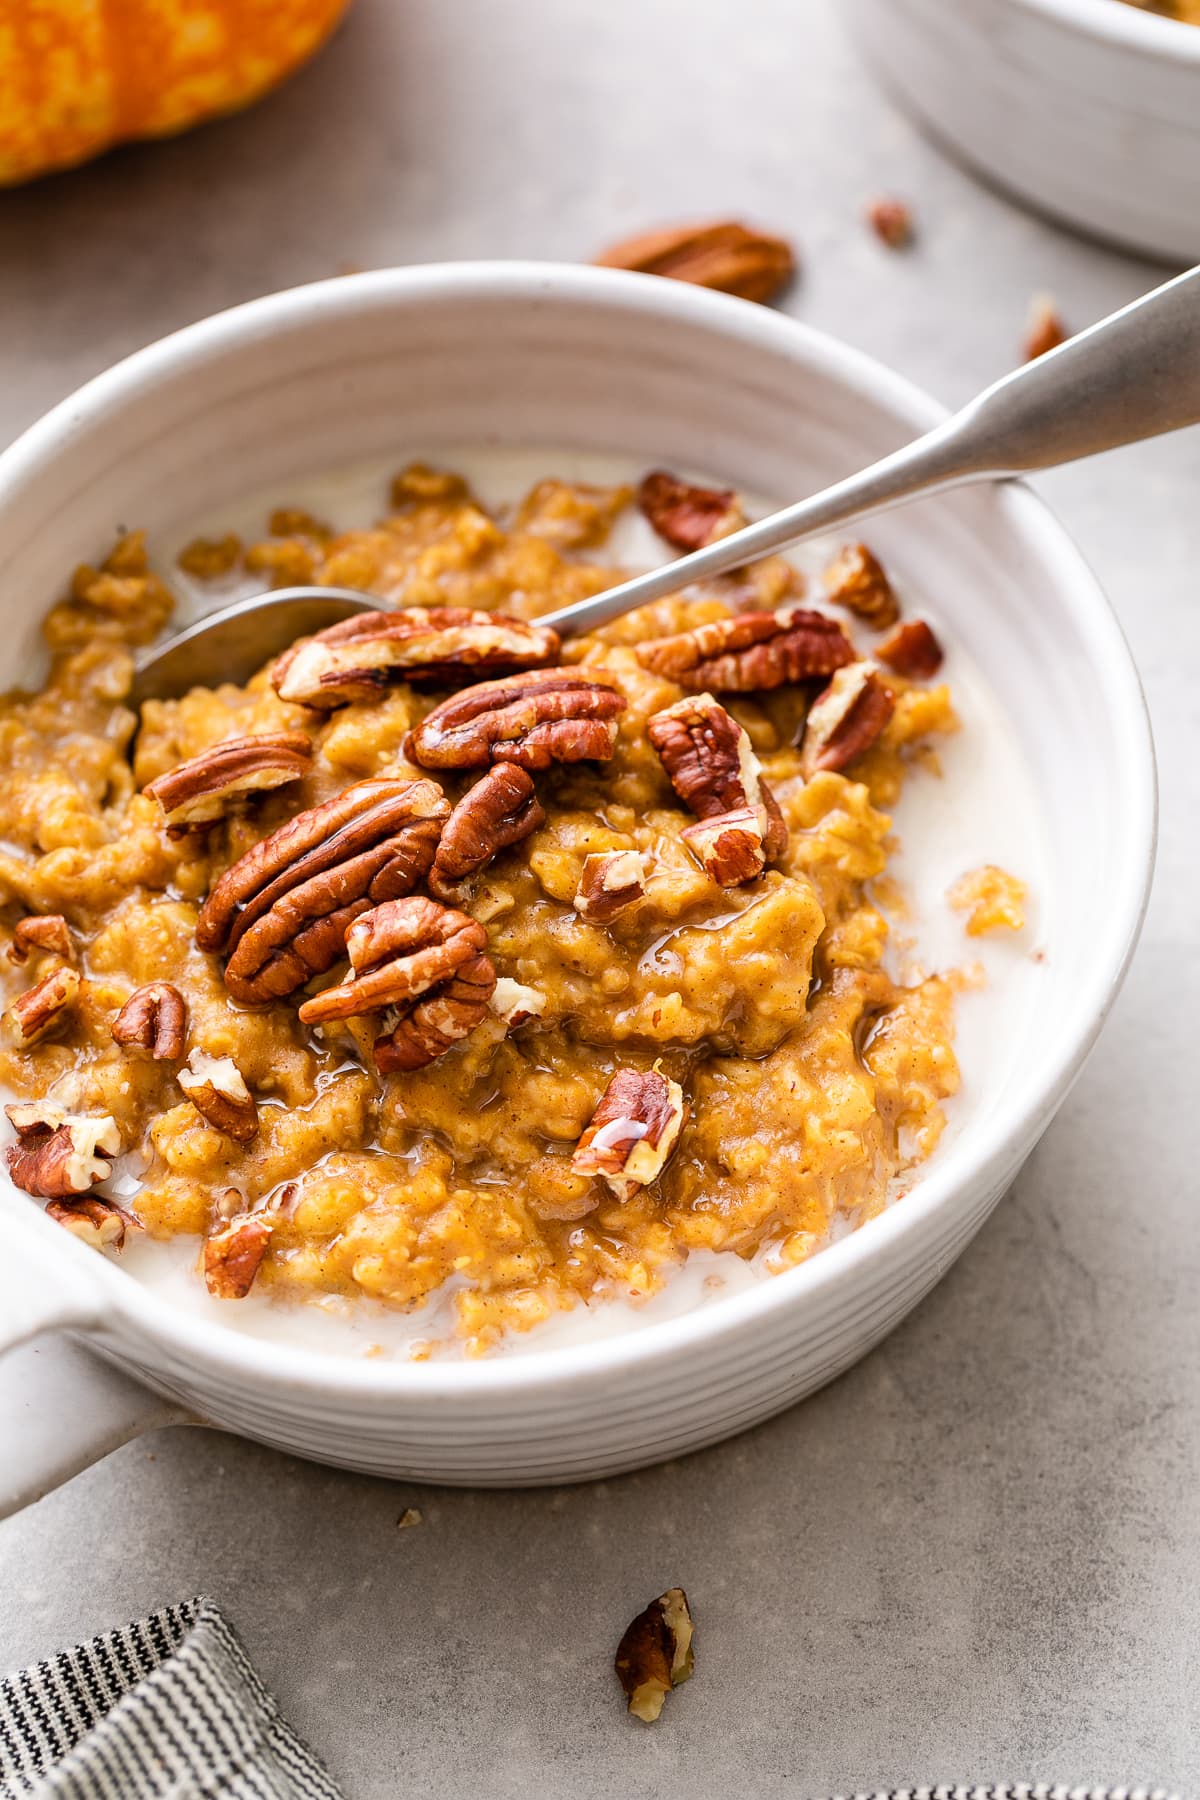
column 1087, row 109
column 404, row 361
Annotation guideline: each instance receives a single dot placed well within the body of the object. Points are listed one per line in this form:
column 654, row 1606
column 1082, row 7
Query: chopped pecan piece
column 1044, row 329
column 499, row 810
column 609, row 881
column 633, row 1131
column 446, row 646
column 515, row 1003
column 688, row 517
column 655, row 1654
column 724, row 255
column 716, row 774
column 233, row 1256
column 912, row 650
column 751, row 651
column 550, row 715
column 216, row 1088
column 59, row 1153
column 846, row 718
column 46, row 932
column 422, row 960
column 891, row 221
column 730, row 846
column 154, row 1018
column 101, row 1224
column 203, row 789
column 855, row 580
column 38, row 1010
column 283, row 909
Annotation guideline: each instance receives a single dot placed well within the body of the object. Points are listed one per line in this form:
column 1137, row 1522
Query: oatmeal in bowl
column 456, row 971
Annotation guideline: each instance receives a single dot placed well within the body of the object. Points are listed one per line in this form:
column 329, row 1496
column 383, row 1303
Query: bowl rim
column 990, row 1153
column 1110, row 22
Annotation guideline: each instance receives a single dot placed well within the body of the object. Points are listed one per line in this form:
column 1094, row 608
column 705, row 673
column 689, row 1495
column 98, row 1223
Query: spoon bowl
column 232, row 643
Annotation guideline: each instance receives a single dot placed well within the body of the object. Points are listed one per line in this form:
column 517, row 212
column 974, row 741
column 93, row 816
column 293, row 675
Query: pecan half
column 551, row 715
column 724, row 255
column 283, row 909
column 855, row 580
column 751, row 651
column 688, row 517
column 714, row 770
column 443, row 645
column 609, row 881
column 154, row 1018
column 202, row 790
column 912, row 650
column 46, row 932
column 655, row 1654
column 846, row 718
column 633, row 1131
column 233, row 1257
column 59, row 1153
column 38, row 1010
column 515, row 1003
column 499, row 810
column 216, row 1088
column 891, row 221
column 97, row 1222
column 423, row 960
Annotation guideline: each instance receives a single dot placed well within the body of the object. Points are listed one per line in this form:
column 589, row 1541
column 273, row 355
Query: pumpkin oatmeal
column 444, row 954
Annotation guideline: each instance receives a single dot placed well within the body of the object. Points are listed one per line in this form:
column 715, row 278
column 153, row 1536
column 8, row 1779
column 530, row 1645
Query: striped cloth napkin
column 170, row 1708
column 167, row 1707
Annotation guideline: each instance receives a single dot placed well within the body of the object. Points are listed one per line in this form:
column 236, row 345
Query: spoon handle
column 1132, row 376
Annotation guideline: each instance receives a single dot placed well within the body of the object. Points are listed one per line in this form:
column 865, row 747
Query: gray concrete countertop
column 975, row 1556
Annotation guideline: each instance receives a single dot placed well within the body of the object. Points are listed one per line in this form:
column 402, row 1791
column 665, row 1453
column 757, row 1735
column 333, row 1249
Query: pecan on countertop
column 233, row 1256
column 282, row 910
column 447, row 646
column 36, row 1012
column 58, row 1153
column 217, row 1089
column 1044, row 328
column 687, row 516
column 712, row 767
column 633, row 1131
column 154, row 1018
column 546, row 716
column 499, row 810
column 891, row 220
column 855, row 579
column 47, row 933
column 202, row 790
column 846, row 718
column 425, row 961
column 725, row 255
column 655, row 1654
column 751, row 651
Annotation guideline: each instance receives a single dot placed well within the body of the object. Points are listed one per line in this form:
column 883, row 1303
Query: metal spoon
column 1132, row 376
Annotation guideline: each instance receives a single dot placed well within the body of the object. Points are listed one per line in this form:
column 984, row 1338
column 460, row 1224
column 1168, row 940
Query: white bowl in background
column 1087, row 109
column 401, row 361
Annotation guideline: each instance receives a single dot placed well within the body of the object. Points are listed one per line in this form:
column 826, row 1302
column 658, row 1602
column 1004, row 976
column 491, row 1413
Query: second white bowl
column 1087, row 109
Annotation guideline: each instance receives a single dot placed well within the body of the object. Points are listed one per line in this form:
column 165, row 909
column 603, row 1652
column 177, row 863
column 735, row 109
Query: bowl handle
column 61, row 1408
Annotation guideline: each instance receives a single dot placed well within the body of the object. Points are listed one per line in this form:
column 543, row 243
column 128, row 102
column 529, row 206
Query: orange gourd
column 78, row 76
